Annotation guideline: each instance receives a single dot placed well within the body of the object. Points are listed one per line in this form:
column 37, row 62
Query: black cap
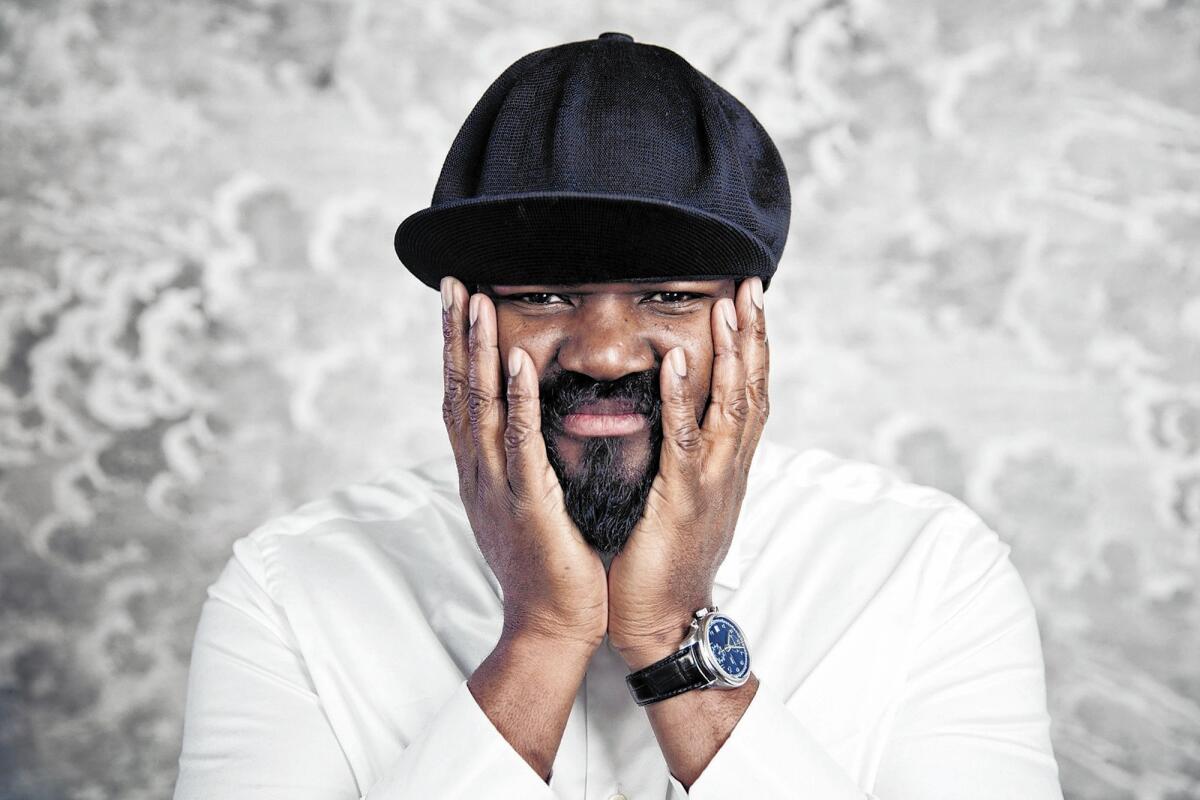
column 600, row 160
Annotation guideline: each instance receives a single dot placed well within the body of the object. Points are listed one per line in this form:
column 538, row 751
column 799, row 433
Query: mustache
column 563, row 392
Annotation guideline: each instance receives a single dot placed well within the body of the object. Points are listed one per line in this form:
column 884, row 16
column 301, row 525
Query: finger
column 683, row 443
column 725, row 420
column 524, row 445
column 456, row 382
column 485, row 400
column 757, row 356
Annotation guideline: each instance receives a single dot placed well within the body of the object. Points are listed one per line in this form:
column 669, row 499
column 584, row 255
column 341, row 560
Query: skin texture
column 678, row 492
column 607, row 340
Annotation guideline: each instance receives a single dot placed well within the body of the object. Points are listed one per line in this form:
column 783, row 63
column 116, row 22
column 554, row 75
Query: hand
column 666, row 569
column 553, row 582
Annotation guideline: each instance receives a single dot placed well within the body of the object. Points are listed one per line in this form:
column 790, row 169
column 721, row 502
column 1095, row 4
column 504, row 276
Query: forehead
column 614, row 287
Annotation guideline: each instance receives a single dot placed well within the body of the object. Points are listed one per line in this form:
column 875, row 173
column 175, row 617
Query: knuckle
column 739, row 406
column 479, row 403
column 689, row 439
column 516, row 434
column 758, row 388
column 450, row 332
column 455, row 386
column 517, row 396
column 456, row 379
column 759, row 327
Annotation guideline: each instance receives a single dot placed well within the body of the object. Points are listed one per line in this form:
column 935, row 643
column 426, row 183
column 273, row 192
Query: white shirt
column 896, row 649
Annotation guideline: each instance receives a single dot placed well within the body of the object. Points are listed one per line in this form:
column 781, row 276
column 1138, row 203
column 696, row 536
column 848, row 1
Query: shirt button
column 618, row 797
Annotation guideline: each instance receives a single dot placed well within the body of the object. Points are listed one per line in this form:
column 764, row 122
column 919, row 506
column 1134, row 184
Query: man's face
column 598, row 349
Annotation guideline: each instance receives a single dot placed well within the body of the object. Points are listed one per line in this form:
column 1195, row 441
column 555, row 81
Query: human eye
column 681, row 297
column 533, row 298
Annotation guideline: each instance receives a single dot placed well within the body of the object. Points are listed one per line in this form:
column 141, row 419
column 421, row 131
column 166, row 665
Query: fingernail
column 727, row 308
column 447, row 294
column 474, row 307
column 756, row 291
column 678, row 362
column 514, row 362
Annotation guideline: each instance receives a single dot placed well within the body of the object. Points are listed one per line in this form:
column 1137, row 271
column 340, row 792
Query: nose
column 605, row 342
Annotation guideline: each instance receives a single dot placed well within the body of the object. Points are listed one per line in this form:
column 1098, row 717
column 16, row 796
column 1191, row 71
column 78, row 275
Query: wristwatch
column 713, row 654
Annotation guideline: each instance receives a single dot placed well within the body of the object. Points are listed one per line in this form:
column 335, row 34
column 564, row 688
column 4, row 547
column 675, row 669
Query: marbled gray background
column 992, row 285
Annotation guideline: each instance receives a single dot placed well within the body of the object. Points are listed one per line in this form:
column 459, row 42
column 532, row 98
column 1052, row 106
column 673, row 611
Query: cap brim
column 569, row 237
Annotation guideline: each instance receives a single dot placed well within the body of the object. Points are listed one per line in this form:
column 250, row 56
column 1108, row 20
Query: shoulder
column 411, row 507
column 846, row 479
column 867, row 509
column 823, row 477
column 866, row 548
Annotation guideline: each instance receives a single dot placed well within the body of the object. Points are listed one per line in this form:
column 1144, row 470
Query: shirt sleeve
column 972, row 719
column 254, row 726
column 770, row 754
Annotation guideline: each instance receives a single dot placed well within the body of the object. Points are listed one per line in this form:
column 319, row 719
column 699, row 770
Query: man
column 613, row 588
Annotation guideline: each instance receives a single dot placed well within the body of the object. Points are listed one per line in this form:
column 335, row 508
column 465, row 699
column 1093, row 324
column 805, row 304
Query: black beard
column 603, row 500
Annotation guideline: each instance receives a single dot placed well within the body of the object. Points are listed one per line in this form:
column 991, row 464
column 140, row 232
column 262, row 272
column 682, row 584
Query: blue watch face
column 728, row 647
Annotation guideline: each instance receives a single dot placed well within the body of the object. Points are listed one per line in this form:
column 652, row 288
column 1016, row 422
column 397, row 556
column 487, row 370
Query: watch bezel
column 709, row 662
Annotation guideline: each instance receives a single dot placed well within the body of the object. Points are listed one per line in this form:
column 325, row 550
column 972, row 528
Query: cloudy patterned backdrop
column 991, row 285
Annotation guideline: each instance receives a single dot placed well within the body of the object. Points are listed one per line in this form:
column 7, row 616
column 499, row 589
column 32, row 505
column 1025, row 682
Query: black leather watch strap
column 677, row 673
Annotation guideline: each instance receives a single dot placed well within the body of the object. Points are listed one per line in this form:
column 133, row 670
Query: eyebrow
column 567, row 288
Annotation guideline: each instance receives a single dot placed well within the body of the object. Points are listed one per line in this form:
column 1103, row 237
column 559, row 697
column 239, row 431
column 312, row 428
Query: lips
column 610, row 417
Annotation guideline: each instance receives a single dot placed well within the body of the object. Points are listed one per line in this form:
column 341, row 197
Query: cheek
column 700, row 363
column 533, row 341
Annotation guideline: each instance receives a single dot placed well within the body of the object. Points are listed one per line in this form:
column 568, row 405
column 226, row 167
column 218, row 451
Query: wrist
column 538, row 629
column 642, row 646
column 538, row 646
column 638, row 657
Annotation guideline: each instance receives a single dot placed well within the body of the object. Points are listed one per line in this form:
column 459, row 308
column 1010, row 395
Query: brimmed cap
column 601, row 160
